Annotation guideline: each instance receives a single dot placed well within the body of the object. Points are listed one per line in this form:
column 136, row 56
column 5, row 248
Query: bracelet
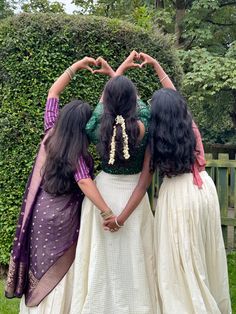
column 107, row 214
column 164, row 78
column 70, row 72
column 118, row 225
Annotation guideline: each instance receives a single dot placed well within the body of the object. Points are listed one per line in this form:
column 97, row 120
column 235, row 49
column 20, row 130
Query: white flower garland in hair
column 119, row 120
column 113, row 147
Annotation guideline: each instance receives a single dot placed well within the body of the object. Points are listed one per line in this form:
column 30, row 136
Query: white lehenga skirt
column 191, row 263
column 113, row 272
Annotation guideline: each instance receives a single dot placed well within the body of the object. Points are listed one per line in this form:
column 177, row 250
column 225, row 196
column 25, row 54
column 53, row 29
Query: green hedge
column 35, row 50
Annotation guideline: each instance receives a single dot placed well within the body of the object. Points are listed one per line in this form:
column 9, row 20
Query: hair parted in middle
column 119, row 99
column 171, row 138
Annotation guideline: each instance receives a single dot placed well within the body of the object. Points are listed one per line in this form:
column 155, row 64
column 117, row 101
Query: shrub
column 35, row 50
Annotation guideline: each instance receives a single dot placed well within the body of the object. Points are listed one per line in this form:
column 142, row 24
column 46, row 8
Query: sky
column 69, row 8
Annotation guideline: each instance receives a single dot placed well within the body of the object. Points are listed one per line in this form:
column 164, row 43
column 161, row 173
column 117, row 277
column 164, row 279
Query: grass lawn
column 11, row 306
column 7, row 306
column 232, row 279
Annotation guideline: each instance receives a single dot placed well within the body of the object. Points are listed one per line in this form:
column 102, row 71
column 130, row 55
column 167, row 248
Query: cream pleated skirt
column 113, row 272
column 190, row 256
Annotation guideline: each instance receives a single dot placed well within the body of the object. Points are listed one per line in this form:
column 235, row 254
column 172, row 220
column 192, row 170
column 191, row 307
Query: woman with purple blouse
column 41, row 263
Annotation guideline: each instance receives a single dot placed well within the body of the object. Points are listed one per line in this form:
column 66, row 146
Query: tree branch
column 187, row 46
column 221, row 6
column 225, row 4
column 227, row 90
column 220, row 24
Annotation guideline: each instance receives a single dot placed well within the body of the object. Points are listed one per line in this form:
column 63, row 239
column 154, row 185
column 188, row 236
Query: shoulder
column 142, row 129
column 93, row 123
column 143, row 113
column 143, row 109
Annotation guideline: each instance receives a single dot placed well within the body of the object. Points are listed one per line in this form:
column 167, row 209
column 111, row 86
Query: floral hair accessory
column 119, row 120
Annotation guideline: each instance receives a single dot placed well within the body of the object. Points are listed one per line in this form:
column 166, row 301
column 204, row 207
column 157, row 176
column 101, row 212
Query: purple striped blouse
column 50, row 117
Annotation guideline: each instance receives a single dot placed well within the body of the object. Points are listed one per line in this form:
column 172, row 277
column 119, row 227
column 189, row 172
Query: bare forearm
column 134, row 201
column 60, row 84
column 163, row 77
column 121, row 70
column 128, row 63
column 145, row 180
column 89, row 188
column 111, row 73
column 63, row 80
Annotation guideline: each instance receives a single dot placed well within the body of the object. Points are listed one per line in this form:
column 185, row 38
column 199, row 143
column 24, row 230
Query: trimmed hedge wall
column 35, row 50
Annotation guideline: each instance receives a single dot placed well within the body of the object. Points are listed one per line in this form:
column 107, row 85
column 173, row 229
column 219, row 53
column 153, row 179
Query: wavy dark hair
column 171, row 138
column 67, row 142
column 119, row 98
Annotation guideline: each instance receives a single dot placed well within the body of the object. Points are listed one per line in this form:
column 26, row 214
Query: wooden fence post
column 210, row 170
column 223, row 192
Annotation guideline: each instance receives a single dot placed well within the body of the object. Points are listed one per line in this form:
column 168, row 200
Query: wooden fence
column 223, row 173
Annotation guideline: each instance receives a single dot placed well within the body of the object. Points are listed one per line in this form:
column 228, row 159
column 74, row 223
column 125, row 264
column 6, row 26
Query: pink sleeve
column 82, row 170
column 51, row 113
column 200, row 158
column 200, row 161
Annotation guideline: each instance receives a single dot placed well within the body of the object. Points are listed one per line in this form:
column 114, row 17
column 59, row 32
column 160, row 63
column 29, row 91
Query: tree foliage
column 6, row 8
column 205, row 34
column 42, row 6
column 210, row 85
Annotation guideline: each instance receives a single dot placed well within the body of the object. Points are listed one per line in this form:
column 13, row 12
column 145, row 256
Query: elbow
column 52, row 93
column 84, row 183
column 143, row 188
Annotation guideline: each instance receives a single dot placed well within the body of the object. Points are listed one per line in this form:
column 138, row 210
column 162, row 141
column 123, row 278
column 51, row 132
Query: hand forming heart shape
column 104, row 67
column 134, row 60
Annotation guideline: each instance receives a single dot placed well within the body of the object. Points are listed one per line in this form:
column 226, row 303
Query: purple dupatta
column 45, row 240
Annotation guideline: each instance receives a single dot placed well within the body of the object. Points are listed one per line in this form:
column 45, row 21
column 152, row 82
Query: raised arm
column 60, row 84
column 52, row 104
column 136, row 197
column 105, row 67
column 163, row 77
column 128, row 63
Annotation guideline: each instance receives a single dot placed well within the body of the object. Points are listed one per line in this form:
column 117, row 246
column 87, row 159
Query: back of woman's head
column 64, row 146
column 171, row 137
column 119, row 99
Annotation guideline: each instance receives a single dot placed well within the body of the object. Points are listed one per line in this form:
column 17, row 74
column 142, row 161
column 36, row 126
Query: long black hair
column 119, row 98
column 67, row 142
column 171, row 137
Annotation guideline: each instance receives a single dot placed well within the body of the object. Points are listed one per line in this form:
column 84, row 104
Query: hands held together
column 134, row 60
column 110, row 221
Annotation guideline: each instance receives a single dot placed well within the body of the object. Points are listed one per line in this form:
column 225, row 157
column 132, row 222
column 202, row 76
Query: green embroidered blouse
column 134, row 164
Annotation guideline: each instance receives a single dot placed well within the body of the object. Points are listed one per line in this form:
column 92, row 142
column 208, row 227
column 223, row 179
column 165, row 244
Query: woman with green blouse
column 114, row 271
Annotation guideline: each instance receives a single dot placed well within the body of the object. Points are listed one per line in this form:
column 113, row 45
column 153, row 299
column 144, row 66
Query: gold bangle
column 107, row 214
column 163, row 78
column 118, row 225
column 107, row 217
column 70, row 72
